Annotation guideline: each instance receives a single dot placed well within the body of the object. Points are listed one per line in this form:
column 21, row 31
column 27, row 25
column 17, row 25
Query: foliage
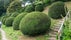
column 47, row 1
column 57, row 10
column 2, row 10
column 17, row 21
column 15, row 14
column 66, row 35
column 63, row 0
column 9, row 21
column 35, row 23
column 3, row 19
column 6, row 3
column 0, row 36
column 29, row 8
column 10, row 33
column 15, row 6
column 39, row 7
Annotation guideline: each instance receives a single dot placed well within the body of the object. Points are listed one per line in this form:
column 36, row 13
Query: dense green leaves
column 39, row 7
column 66, row 35
column 17, row 21
column 57, row 10
column 35, row 23
column 29, row 8
column 15, row 6
column 9, row 21
column 2, row 10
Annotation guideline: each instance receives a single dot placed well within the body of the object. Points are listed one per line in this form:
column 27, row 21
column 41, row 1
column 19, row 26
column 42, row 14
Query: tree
column 1, row 7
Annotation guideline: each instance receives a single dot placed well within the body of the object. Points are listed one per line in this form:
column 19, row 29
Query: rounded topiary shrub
column 15, row 6
column 3, row 19
column 35, row 23
column 29, row 8
column 17, row 21
column 14, row 14
column 9, row 21
column 39, row 7
column 57, row 10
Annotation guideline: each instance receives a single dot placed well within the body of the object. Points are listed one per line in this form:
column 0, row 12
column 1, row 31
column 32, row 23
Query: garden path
column 3, row 34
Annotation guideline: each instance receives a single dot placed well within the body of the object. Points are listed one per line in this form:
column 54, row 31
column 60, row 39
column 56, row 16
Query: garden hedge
column 3, row 19
column 35, row 23
column 14, row 14
column 29, row 8
column 57, row 10
column 15, row 6
column 9, row 21
column 17, row 21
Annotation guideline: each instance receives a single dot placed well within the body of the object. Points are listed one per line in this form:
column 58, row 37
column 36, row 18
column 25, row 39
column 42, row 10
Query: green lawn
column 14, row 35
column 0, row 35
column 11, row 34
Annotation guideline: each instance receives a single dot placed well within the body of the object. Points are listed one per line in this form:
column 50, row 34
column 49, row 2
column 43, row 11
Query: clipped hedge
column 35, row 23
column 9, row 21
column 14, row 14
column 15, row 6
column 3, row 19
column 57, row 10
column 17, row 21
column 29, row 8
column 39, row 7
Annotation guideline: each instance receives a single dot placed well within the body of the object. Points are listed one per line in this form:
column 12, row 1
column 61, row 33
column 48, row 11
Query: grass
column 66, row 35
column 14, row 35
column 11, row 34
column 66, row 31
column 0, row 35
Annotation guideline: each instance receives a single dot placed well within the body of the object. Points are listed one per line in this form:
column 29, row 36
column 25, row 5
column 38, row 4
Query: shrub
column 63, row 0
column 17, row 21
column 14, row 14
column 29, row 8
column 46, row 1
column 35, row 23
column 3, row 19
column 15, row 6
column 57, row 10
column 39, row 7
column 9, row 21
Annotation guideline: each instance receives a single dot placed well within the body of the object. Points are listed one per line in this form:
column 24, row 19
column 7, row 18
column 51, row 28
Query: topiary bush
column 29, row 8
column 9, row 21
column 17, row 21
column 39, row 7
column 47, row 2
column 35, row 23
column 57, row 10
column 14, row 14
column 15, row 6
column 3, row 19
